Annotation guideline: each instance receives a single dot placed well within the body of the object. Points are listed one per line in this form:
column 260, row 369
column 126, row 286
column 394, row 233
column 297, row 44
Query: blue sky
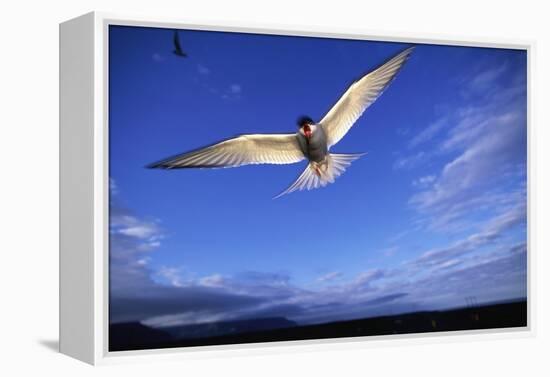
column 434, row 213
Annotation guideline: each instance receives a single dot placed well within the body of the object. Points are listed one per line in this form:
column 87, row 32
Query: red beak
column 307, row 131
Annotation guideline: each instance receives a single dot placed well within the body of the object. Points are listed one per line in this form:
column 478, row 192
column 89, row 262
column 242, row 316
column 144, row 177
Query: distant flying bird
column 177, row 46
column 312, row 141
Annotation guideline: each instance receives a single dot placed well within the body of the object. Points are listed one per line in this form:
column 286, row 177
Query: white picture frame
column 84, row 190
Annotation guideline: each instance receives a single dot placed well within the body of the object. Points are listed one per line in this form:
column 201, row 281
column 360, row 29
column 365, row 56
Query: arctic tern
column 313, row 141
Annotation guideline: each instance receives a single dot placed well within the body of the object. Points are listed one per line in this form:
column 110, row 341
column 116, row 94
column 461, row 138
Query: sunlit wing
column 242, row 150
column 359, row 96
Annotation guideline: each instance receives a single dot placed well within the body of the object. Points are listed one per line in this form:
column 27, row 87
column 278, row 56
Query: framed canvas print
column 223, row 186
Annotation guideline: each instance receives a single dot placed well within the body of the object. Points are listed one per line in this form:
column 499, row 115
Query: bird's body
column 178, row 51
column 323, row 167
column 312, row 142
column 314, row 148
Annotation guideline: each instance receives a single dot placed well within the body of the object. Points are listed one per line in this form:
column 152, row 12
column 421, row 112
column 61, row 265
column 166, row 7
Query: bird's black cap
column 303, row 120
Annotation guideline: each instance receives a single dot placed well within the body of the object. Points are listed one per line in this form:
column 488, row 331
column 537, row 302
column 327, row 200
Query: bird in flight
column 313, row 141
column 177, row 46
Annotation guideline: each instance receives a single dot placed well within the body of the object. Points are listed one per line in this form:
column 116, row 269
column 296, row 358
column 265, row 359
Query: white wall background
column 29, row 186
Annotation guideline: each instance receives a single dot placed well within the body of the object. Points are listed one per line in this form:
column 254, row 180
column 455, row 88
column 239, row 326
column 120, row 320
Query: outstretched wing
column 242, row 150
column 359, row 96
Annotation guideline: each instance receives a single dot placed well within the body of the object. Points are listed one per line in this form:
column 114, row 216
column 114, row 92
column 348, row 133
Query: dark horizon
column 135, row 336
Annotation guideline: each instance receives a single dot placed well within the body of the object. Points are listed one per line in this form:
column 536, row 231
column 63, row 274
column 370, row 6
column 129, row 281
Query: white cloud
column 487, row 77
column 203, row 70
column 187, row 318
column 485, row 143
column 143, row 261
column 410, row 162
column 492, row 231
column 484, row 159
column 226, row 92
column 130, row 237
column 429, row 132
column 331, row 276
column 368, row 277
column 424, row 181
column 215, row 280
column 212, row 298
column 158, row 57
column 403, row 131
column 113, row 188
column 140, row 231
column 171, row 274
column 233, row 92
column 449, row 263
column 390, row 251
column 235, row 88
column 131, row 226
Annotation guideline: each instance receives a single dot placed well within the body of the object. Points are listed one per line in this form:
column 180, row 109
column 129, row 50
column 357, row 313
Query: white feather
column 242, row 150
column 320, row 174
column 359, row 96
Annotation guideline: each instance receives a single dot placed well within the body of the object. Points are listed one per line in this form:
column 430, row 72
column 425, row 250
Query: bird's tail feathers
column 320, row 174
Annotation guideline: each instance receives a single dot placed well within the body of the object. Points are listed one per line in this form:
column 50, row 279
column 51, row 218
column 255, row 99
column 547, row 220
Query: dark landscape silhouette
column 136, row 336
